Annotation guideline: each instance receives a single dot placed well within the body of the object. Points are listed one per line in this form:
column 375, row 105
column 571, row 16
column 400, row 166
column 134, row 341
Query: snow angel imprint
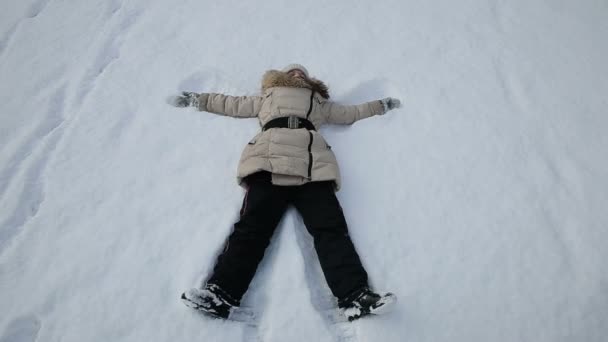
column 288, row 162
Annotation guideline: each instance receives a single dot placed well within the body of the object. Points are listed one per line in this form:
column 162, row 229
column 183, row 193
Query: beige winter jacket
column 293, row 156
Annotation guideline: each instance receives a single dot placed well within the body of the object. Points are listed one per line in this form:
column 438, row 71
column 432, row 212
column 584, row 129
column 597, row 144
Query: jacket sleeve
column 235, row 106
column 347, row 114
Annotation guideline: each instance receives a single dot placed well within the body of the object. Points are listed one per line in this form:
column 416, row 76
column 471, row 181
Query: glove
column 186, row 99
column 390, row 103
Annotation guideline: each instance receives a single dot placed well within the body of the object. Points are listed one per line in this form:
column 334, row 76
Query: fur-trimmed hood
column 276, row 78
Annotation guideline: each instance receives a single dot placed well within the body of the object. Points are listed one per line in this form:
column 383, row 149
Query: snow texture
column 480, row 202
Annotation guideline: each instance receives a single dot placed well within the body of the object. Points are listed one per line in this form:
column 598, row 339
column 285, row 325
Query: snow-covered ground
column 481, row 202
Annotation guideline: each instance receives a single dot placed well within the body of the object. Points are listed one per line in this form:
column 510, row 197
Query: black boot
column 365, row 302
column 211, row 300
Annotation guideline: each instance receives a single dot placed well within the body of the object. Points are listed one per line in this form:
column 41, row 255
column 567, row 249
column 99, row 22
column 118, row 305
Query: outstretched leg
column 263, row 207
column 324, row 220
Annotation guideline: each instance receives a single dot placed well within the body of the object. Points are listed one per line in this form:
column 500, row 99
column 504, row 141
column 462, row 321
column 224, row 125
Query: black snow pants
column 263, row 207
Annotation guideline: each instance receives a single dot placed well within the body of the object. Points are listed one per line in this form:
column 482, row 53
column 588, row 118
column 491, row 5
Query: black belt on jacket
column 292, row 122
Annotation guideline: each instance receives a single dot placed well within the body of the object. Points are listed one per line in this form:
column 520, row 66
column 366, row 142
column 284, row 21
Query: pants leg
column 263, row 207
column 324, row 220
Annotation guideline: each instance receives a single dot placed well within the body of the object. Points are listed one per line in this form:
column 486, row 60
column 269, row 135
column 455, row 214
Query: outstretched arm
column 235, row 106
column 348, row 114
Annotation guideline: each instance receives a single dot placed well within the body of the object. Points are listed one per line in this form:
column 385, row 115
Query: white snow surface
column 481, row 202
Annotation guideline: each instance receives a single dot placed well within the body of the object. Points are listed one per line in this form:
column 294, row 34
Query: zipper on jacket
column 312, row 95
column 310, row 156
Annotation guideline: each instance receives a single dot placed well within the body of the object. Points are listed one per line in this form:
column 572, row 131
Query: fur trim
column 275, row 78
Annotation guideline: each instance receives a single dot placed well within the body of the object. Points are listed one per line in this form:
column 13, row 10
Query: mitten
column 186, row 99
column 390, row 103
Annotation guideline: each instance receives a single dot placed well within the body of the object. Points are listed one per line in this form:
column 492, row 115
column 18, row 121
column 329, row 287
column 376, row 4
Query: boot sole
column 201, row 308
column 385, row 305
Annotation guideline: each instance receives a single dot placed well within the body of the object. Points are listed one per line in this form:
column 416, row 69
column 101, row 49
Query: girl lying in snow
column 288, row 162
